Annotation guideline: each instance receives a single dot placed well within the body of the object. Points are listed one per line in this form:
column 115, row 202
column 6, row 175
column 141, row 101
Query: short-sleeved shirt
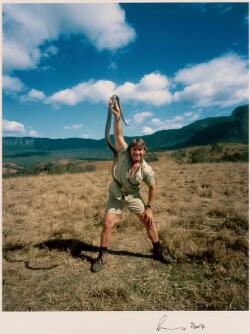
column 130, row 184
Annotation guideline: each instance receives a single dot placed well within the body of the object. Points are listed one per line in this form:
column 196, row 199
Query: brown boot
column 159, row 254
column 98, row 264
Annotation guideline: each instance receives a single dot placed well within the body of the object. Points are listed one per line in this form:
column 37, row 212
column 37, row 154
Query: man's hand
column 115, row 110
column 147, row 216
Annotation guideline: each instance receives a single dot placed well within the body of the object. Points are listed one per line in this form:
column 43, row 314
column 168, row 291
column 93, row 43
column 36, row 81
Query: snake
column 114, row 100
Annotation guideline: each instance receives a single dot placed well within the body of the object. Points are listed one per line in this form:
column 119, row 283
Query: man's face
column 137, row 153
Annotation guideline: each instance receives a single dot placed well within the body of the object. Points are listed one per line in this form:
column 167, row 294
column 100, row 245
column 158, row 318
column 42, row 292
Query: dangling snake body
column 114, row 100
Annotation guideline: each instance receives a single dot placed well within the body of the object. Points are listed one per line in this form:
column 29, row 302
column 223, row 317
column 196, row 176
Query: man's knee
column 107, row 224
column 109, row 221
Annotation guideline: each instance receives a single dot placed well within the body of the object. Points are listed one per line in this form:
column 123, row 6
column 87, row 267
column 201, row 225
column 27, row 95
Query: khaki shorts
column 134, row 204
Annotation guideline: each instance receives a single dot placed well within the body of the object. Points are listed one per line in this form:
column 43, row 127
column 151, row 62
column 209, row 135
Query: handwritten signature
column 192, row 325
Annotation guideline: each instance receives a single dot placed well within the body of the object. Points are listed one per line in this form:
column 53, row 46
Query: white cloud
column 13, row 128
column 156, row 121
column 191, row 115
column 17, row 56
column 26, row 27
column 169, row 124
column 147, row 130
column 139, row 118
column 151, row 89
column 178, row 118
column 188, row 114
column 175, row 122
column 33, row 95
column 162, row 125
column 154, row 80
column 98, row 91
column 36, row 94
column 73, row 127
column 33, row 133
column 221, row 82
column 12, row 84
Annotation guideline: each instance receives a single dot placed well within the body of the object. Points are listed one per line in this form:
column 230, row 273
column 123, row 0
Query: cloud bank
column 139, row 118
column 151, row 89
column 175, row 122
column 29, row 31
column 220, row 82
column 28, row 26
column 12, row 84
column 33, row 95
column 13, row 128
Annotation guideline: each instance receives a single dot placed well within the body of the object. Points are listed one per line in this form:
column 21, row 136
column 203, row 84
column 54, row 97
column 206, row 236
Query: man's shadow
column 76, row 248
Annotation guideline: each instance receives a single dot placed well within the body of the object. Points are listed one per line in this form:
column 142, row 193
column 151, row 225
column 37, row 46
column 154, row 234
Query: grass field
column 51, row 234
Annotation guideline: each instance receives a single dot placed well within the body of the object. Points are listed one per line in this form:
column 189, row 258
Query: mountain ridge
column 233, row 128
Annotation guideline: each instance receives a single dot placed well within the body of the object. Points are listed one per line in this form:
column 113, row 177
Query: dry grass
column 51, row 233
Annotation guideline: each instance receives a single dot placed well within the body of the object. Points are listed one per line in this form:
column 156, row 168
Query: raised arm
column 120, row 143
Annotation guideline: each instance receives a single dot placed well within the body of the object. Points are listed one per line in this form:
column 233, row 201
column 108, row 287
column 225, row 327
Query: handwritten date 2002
column 163, row 320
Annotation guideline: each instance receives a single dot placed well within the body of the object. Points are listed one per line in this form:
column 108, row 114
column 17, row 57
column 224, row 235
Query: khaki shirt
column 130, row 184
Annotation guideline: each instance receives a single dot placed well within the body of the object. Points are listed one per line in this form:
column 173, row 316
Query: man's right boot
column 99, row 263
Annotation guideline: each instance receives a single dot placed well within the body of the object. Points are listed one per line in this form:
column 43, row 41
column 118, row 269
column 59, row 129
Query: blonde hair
column 137, row 142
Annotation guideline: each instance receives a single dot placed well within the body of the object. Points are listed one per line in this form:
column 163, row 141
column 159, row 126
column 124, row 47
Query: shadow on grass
column 76, row 248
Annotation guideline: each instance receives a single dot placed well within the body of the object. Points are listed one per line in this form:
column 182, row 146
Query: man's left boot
column 159, row 254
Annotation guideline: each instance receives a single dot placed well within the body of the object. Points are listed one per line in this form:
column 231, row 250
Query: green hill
column 233, row 128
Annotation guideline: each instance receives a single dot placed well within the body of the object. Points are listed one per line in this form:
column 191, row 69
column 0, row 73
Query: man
column 124, row 191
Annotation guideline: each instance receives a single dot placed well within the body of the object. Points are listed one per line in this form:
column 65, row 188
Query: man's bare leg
column 108, row 222
column 151, row 229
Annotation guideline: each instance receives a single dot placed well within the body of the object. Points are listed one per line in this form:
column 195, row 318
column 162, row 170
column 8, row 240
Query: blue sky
column 170, row 63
